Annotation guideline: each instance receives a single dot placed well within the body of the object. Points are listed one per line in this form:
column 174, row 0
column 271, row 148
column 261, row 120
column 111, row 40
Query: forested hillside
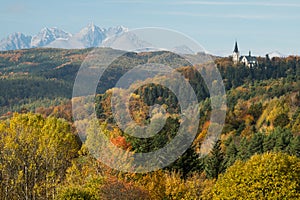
column 41, row 156
column 33, row 75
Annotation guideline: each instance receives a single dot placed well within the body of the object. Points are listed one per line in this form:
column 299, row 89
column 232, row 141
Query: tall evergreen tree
column 269, row 142
column 188, row 163
column 283, row 139
column 214, row 164
column 294, row 147
column 256, row 144
column 243, row 152
column 230, row 154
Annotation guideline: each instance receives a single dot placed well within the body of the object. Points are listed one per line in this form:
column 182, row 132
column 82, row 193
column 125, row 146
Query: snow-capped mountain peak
column 15, row 41
column 48, row 35
column 91, row 36
column 91, row 27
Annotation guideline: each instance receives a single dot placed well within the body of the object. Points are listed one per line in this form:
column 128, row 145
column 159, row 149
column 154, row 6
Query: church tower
column 236, row 54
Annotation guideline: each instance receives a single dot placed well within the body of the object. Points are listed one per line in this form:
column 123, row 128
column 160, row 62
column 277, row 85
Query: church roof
column 236, row 49
column 250, row 59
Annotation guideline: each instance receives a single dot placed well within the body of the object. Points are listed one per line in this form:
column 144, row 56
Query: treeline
column 274, row 68
column 35, row 74
column 31, row 88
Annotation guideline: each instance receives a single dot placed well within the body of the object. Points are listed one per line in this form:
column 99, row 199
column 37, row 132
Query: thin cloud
column 224, row 3
column 128, row 1
column 16, row 8
column 231, row 16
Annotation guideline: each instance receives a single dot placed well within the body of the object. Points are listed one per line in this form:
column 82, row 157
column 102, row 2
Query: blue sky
column 260, row 26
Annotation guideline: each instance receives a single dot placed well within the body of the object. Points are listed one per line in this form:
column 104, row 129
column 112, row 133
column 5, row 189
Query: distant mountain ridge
column 118, row 37
column 48, row 35
column 16, row 41
column 89, row 36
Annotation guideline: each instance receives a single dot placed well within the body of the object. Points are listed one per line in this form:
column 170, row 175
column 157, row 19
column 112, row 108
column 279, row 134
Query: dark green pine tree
column 230, row 154
column 188, row 163
column 283, row 139
column 243, row 152
column 214, row 164
column 294, row 147
column 269, row 142
column 256, row 144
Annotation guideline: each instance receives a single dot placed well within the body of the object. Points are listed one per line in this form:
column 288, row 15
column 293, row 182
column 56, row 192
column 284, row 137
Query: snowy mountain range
column 89, row 36
column 117, row 37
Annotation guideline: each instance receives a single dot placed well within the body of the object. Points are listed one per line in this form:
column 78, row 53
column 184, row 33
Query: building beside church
column 249, row 60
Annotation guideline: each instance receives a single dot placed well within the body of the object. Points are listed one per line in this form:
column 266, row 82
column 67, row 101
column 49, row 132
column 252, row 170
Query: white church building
column 249, row 60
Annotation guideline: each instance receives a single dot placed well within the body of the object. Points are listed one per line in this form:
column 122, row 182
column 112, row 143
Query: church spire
column 236, row 49
column 236, row 54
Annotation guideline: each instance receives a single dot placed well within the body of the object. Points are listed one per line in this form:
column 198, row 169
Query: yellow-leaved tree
column 34, row 155
column 267, row 176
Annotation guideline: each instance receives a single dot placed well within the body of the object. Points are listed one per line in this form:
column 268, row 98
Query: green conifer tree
column 214, row 164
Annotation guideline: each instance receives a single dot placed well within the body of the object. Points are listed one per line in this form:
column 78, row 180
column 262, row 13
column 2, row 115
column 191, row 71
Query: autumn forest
column 44, row 156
